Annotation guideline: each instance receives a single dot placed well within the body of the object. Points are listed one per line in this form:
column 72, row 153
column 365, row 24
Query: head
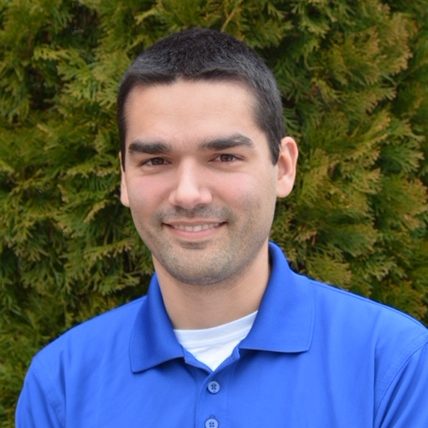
column 204, row 156
column 208, row 55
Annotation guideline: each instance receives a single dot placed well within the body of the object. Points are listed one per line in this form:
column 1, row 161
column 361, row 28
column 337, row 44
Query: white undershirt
column 213, row 345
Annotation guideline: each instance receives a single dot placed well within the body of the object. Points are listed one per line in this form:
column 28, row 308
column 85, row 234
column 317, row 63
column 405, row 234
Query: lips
column 197, row 227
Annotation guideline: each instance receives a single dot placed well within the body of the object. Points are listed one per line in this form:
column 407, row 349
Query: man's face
column 199, row 179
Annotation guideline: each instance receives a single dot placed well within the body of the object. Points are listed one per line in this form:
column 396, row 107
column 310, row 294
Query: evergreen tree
column 354, row 79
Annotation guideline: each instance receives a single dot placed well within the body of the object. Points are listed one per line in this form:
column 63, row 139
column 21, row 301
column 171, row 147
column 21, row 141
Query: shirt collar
column 284, row 322
column 153, row 341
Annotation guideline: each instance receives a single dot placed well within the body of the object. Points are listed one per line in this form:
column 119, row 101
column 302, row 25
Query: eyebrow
column 222, row 143
column 148, row 147
column 229, row 142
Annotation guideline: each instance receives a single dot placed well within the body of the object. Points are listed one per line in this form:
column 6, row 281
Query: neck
column 204, row 306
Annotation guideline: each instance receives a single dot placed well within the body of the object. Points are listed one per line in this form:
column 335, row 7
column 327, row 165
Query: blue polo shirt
column 316, row 357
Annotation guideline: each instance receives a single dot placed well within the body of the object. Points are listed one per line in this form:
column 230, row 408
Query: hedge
column 354, row 81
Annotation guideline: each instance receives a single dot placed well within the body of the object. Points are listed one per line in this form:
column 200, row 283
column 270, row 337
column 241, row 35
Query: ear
column 287, row 163
column 123, row 186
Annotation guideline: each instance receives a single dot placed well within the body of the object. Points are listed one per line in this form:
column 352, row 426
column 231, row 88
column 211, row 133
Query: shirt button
column 211, row 423
column 213, row 387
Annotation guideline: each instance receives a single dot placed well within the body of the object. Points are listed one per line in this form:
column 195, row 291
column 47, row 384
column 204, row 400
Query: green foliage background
column 354, row 79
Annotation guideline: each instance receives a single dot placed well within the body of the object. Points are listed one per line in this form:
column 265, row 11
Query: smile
column 195, row 227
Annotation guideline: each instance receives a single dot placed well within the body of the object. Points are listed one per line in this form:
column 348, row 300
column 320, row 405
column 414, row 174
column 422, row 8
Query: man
column 228, row 335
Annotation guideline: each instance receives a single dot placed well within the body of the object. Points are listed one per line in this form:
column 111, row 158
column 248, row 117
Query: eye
column 226, row 157
column 157, row 161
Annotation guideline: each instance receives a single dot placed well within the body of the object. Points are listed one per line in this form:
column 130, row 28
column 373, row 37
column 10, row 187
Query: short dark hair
column 205, row 54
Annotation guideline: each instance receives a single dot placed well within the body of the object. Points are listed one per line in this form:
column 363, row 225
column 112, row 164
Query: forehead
column 190, row 107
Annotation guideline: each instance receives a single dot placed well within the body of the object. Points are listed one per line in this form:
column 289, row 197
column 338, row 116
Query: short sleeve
column 405, row 402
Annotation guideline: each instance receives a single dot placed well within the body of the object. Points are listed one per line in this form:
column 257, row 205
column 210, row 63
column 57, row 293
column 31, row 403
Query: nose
column 190, row 188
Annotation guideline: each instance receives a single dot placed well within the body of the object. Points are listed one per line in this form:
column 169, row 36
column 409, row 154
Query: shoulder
column 391, row 345
column 362, row 317
column 93, row 337
column 363, row 325
column 368, row 329
column 335, row 303
column 75, row 364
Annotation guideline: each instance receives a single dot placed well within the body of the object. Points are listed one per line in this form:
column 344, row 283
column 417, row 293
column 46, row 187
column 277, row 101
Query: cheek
column 252, row 197
column 143, row 193
column 258, row 187
column 143, row 205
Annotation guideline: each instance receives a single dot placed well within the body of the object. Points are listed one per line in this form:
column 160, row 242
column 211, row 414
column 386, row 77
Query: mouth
column 194, row 227
column 195, row 230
